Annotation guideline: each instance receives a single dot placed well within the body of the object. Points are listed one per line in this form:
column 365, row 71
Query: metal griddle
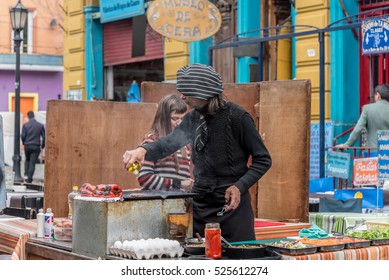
column 154, row 194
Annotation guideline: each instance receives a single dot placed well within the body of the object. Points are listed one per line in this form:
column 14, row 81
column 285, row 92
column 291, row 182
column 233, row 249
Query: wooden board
column 284, row 121
column 245, row 95
column 86, row 141
column 85, row 144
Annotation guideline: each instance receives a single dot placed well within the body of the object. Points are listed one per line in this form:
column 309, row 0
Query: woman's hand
column 130, row 156
column 232, row 197
column 186, row 185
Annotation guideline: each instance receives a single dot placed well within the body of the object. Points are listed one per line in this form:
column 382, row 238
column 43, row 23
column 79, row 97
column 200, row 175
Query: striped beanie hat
column 199, row 81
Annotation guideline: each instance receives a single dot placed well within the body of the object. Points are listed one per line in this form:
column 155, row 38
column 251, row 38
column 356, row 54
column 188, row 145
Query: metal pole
column 16, row 158
column 322, row 102
column 260, row 63
column 371, row 95
column 210, row 56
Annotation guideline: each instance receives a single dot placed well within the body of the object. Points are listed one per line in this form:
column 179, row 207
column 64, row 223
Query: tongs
column 225, row 241
column 337, row 234
column 221, row 212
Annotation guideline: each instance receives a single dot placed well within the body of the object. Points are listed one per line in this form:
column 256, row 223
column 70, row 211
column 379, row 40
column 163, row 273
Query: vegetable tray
column 332, row 248
column 310, row 249
column 378, row 242
column 353, row 242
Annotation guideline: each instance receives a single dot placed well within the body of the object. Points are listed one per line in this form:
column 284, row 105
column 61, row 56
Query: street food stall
column 86, row 141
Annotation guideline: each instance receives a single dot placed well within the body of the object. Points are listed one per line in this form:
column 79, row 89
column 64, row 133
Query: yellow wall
column 176, row 55
column 315, row 13
column 74, row 52
column 284, row 57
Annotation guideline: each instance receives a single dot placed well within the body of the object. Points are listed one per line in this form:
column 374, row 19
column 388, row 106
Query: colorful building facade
column 100, row 60
column 41, row 76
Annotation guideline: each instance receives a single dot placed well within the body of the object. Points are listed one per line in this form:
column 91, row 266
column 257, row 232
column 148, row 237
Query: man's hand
column 341, row 146
column 232, row 197
column 130, row 156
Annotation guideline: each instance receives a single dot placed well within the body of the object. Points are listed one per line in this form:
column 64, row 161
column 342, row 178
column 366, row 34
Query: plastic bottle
column 71, row 196
column 134, row 168
column 40, row 230
column 49, row 219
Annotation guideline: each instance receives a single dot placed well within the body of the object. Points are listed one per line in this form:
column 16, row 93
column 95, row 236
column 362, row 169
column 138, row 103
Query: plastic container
column 213, row 246
column 40, row 230
column 63, row 233
column 71, row 196
column 134, row 168
column 48, row 227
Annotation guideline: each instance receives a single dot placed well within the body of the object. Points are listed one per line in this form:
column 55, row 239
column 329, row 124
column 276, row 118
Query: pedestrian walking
column 33, row 138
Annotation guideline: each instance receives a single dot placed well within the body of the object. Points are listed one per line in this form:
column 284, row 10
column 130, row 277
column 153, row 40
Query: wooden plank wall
column 284, row 121
column 85, row 143
column 86, row 140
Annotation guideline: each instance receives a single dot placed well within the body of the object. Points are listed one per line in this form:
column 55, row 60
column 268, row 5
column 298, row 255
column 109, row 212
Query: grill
column 141, row 214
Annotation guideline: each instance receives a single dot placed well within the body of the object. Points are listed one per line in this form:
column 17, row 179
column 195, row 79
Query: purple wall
column 47, row 84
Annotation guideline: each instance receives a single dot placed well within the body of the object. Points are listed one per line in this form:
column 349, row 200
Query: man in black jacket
column 33, row 138
column 223, row 137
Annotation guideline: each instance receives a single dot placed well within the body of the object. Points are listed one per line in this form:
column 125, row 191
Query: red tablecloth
column 267, row 224
column 368, row 253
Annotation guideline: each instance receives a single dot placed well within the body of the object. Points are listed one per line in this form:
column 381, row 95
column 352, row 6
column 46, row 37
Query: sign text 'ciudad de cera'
column 184, row 20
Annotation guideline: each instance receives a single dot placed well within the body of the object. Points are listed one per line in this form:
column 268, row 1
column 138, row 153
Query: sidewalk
column 39, row 174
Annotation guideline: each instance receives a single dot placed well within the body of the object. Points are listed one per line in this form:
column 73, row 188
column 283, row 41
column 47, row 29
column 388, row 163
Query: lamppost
column 18, row 15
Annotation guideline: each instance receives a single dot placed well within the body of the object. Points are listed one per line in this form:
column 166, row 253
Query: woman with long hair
column 172, row 172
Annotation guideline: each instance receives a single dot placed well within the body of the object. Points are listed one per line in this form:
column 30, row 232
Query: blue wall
column 344, row 71
column 199, row 51
column 94, row 55
column 248, row 20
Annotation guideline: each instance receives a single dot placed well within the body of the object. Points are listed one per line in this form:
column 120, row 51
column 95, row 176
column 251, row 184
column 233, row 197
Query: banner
column 371, row 197
column 383, row 155
column 338, row 165
column 314, row 149
column 375, row 34
column 321, row 185
column 366, row 171
column 183, row 20
column 112, row 10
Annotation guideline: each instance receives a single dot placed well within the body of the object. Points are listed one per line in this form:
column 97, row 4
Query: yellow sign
column 184, row 20
column 358, row 195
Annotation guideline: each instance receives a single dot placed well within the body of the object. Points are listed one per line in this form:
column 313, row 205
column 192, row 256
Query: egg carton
column 147, row 249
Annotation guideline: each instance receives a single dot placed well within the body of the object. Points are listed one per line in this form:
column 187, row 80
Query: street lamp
column 18, row 15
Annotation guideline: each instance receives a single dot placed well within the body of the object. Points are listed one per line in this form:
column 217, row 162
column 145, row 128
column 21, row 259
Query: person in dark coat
column 223, row 137
column 33, row 138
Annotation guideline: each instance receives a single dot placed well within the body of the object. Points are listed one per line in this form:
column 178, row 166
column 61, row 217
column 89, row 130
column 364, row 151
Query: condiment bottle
column 71, row 196
column 40, row 230
column 49, row 220
column 213, row 246
column 134, row 168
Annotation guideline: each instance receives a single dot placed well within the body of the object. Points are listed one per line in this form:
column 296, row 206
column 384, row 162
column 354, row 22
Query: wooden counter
column 18, row 238
column 49, row 249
